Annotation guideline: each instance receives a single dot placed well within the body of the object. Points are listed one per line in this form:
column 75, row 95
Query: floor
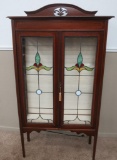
column 54, row 146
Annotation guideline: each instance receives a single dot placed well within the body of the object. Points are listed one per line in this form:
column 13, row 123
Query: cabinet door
column 37, row 78
column 80, row 78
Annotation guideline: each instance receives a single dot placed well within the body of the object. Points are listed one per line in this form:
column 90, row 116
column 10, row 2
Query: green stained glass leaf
column 30, row 67
column 88, row 68
column 79, row 59
column 47, row 68
column 70, row 68
column 37, row 58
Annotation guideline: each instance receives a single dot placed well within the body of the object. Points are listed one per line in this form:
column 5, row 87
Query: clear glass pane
column 32, row 83
column 71, row 83
column 85, row 101
column 46, row 100
column 86, row 84
column 38, row 70
column 70, row 100
column 80, row 53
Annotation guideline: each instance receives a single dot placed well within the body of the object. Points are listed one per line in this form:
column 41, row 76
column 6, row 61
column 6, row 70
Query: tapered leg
column 38, row 131
column 90, row 139
column 94, row 146
column 28, row 136
column 22, row 142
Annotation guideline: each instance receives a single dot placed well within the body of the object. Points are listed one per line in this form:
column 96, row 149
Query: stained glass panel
column 38, row 70
column 80, row 53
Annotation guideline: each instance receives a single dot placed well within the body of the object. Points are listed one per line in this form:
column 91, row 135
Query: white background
column 17, row 8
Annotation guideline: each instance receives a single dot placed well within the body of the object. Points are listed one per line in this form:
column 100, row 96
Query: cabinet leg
column 28, row 136
column 90, row 139
column 22, row 142
column 94, row 146
column 38, row 131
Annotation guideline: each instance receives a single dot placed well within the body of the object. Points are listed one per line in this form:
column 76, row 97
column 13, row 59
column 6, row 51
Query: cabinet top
column 60, row 10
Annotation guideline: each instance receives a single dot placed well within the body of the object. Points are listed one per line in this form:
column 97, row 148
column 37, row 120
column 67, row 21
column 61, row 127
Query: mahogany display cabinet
column 59, row 54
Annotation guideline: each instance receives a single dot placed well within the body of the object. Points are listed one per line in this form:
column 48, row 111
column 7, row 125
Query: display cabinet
column 59, row 54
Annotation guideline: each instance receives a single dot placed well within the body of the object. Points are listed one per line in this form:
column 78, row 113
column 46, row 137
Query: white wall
column 17, row 8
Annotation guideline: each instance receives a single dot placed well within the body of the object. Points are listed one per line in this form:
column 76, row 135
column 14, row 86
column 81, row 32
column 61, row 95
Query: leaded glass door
column 39, row 76
column 79, row 67
column 58, row 78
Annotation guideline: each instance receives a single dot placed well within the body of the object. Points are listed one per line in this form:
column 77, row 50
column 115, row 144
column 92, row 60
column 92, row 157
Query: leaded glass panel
column 38, row 71
column 80, row 54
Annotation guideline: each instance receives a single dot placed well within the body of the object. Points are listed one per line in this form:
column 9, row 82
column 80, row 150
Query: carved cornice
column 60, row 10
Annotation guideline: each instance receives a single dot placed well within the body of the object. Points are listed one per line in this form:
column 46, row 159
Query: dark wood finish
column 28, row 136
column 43, row 22
column 90, row 139
column 22, row 143
column 72, row 10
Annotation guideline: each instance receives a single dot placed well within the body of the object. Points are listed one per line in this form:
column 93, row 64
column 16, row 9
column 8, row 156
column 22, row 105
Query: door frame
column 21, row 84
